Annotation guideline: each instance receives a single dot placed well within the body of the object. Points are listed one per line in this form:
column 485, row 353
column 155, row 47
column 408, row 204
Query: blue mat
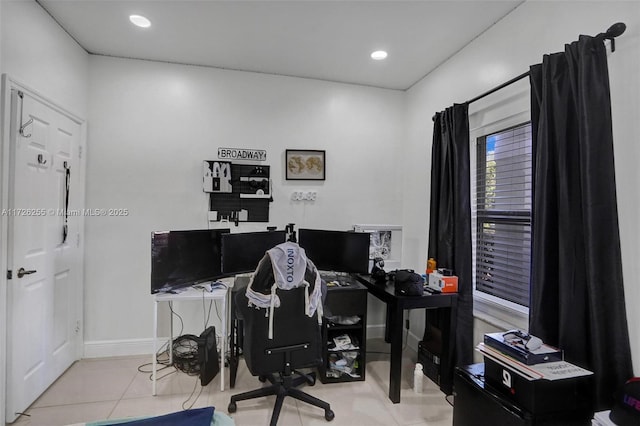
column 195, row 417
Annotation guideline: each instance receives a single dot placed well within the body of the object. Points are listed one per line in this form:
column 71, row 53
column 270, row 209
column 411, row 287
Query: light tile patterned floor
column 111, row 388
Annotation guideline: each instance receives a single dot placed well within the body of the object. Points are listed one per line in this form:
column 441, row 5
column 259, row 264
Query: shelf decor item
column 304, row 164
column 386, row 244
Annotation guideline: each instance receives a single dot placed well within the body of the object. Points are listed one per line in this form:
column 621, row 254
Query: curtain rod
column 614, row 31
column 502, row 86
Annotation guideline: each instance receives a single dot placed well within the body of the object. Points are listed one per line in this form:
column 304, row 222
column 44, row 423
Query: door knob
column 22, row 272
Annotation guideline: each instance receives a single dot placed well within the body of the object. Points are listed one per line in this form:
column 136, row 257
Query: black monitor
column 241, row 252
column 183, row 258
column 338, row 251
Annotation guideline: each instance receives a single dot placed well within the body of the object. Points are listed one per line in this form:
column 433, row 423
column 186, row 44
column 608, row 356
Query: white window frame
column 506, row 108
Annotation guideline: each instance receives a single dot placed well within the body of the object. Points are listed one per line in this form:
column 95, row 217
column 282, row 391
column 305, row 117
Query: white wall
column 36, row 52
column 3, row 261
column 507, row 50
column 152, row 125
column 41, row 55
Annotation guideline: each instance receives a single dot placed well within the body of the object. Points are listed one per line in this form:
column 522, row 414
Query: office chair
column 295, row 344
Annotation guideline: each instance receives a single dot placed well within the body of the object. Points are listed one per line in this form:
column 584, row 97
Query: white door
column 42, row 322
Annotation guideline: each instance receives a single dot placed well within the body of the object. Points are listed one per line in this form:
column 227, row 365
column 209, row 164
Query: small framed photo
column 386, row 243
column 305, row 164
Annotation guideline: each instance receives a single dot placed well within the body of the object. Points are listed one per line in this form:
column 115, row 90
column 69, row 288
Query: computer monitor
column 184, row 258
column 338, row 251
column 241, row 252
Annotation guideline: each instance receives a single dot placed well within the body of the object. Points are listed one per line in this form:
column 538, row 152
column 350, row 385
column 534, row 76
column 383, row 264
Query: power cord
column 405, row 338
column 207, row 316
column 184, row 403
column 162, row 355
column 185, row 353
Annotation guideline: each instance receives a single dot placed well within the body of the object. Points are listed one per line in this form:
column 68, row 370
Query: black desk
column 393, row 333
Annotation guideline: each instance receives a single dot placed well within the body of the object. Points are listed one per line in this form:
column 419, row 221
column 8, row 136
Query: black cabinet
column 477, row 403
column 344, row 333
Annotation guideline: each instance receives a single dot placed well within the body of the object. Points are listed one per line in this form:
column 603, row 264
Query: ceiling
column 327, row 40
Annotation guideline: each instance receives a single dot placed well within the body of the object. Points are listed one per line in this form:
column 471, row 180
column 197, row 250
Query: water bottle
column 417, row 378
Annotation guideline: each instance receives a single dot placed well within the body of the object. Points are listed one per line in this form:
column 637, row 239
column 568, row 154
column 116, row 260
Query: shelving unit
column 247, row 198
column 347, row 302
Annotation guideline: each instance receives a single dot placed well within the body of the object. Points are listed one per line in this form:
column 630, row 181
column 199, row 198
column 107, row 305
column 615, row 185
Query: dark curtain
column 450, row 216
column 577, row 295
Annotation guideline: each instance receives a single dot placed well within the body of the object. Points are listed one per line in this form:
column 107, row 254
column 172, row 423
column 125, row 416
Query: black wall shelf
column 249, row 198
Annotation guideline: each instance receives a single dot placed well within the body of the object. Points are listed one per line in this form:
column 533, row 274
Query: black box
column 430, row 363
column 208, row 356
column 539, row 396
column 545, row 353
column 477, row 403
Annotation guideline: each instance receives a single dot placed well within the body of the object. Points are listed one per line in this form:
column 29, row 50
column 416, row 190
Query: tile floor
column 110, row 388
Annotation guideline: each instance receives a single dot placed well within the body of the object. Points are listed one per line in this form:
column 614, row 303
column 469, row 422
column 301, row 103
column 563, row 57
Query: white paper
column 548, row 370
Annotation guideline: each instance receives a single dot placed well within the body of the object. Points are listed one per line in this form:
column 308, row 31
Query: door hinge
column 77, row 326
column 9, row 274
column 80, row 152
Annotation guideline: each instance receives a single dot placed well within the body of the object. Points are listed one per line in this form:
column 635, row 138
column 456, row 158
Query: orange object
column 449, row 284
column 431, row 265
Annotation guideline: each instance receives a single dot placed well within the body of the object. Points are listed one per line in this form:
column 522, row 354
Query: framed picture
column 386, row 243
column 304, row 164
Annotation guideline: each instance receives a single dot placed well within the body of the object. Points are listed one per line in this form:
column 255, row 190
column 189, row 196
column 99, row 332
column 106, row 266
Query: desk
column 393, row 334
column 191, row 294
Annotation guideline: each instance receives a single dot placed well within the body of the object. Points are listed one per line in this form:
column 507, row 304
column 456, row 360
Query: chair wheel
column 233, row 407
column 329, row 415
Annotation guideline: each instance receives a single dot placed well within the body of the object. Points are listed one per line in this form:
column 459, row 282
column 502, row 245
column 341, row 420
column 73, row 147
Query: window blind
column 503, row 243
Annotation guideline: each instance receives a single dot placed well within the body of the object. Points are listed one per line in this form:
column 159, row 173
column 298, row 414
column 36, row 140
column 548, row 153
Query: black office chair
column 296, row 344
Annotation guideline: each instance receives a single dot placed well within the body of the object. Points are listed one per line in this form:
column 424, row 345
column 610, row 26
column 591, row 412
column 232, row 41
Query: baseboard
column 111, row 348
column 129, row 347
column 377, row 332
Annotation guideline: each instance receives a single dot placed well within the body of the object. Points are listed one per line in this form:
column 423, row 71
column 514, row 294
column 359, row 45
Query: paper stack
column 556, row 370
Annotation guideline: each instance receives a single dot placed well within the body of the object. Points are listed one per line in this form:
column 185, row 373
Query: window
column 503, row 212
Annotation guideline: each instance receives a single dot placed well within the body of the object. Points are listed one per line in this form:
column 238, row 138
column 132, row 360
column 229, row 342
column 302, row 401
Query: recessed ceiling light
column 379, row 55
column 140, row 21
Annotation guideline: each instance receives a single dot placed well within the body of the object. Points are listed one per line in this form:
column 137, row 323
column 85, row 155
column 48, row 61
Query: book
column 556, row 370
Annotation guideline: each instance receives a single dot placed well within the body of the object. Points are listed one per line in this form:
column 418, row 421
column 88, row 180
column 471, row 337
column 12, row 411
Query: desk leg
column 223, row 342
column 395, row 372
column 387, row 324
column 155, row 347
column 170, row 347
column 448, row 349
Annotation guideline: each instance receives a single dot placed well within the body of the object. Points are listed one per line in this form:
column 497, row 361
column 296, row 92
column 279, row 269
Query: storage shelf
column 342, row 379
column 337, row 327
column 346, row 301
column 255, row 196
